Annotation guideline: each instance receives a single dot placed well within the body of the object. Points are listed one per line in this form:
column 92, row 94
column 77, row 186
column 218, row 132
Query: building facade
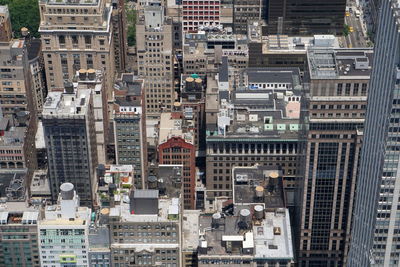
column 259, row 122
column 155, row 54
column 64, row 231
column 69, row 130
column 198, row 14
column 130, row 127
column 19, row 236
column 176, row 146
column 375, row 233
column 306, row 17
column 76, row 35
column 338, row 94
column 146, row 232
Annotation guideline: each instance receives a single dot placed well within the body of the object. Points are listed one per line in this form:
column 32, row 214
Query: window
column 61, row 39
column 88, row 39
column 339, row 89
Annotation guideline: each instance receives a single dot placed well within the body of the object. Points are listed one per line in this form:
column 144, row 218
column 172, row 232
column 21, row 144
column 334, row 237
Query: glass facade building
column 376, row 225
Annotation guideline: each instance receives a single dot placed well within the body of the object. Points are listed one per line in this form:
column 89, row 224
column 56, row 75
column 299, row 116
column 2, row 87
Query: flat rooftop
column 348, row 63
column 190, row 229
column 123, row 211
column 99, row 237
column 40, row 184
column 67, row 105
column 15, row 136
column 172, row 127
column 268, row 238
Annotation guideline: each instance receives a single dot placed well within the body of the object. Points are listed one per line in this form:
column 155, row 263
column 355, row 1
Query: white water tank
column 259, row 212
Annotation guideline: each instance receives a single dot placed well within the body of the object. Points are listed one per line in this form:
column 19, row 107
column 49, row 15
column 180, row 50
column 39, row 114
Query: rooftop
column 15, row 136
column 254, row 185
column 123, row 211
column 170, row 126
column 99, row 238
column 230, row 237
column 25, row 217
column 40, row 184
column 190, row 229
column 169, row 180
column 12, row 185
column 349, row 63
column 67, row 105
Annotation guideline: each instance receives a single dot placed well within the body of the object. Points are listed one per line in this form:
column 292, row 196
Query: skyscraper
column 375, row 233
column 156, row 59
column 69, row 130
column 338, row 94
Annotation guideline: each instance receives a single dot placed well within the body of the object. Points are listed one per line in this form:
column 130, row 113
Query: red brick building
column 176, row 148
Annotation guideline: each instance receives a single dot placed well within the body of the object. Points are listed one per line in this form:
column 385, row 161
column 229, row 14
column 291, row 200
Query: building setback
column 338, row 94
column 375, row 230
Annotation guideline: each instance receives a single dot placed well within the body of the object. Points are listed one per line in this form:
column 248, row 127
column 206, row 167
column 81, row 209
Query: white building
column 64, row 231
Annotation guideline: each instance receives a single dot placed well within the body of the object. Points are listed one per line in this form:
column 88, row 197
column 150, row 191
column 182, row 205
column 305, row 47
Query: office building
column 64, row 231
column 69, row 130
column 76, row 35
column 306, row 17
column 19, row 244
column 130, row 126
column 200, row 14
column 5, row 24
column 257, row 122
column 155, row 56
column 375, row 231
column 338, row 93
column 145, row 231
column 176, row 146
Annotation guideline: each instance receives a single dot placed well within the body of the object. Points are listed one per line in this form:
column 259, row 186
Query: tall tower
column 338, row 95
column 156, row 59
column 375, row 233
column 69, row 130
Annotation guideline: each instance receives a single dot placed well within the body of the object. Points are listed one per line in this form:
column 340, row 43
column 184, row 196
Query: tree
column 23, row 13
column 131, row 20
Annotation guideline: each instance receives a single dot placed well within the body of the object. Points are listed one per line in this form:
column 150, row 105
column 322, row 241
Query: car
column 351, row 29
